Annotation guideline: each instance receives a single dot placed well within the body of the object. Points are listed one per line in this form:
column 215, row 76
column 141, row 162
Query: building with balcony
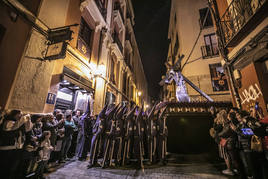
column 49, row 73
column 192, row 34
column 242, row 27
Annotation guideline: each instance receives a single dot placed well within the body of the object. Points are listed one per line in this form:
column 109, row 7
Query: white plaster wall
column 187, row 28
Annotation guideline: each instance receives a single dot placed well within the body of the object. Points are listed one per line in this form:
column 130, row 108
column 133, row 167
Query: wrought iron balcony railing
column 209, row 51
column 117, row 41
column 101, row 7
column 237, row 15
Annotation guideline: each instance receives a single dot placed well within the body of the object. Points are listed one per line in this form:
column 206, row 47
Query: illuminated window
column 218, row 78
column 64, row 96
column 210, row 49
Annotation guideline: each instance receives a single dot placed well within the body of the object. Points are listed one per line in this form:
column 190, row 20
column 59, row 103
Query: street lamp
column 139, row 93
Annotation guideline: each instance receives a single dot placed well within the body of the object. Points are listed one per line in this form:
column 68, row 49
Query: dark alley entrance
column 188, row 133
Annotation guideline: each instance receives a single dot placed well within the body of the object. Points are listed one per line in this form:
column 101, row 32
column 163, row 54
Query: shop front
column 74, row 93
column 71, row 85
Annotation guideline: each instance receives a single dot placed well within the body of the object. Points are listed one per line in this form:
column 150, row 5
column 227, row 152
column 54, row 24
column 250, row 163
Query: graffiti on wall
column 251, row 94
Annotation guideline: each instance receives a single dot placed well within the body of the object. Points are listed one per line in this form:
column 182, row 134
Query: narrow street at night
column 184, row 169
column 126, row 89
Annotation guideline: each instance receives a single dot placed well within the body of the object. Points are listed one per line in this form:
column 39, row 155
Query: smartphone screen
column 247, row 131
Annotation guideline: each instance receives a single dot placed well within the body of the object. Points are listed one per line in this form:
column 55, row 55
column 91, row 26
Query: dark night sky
column 151, row 30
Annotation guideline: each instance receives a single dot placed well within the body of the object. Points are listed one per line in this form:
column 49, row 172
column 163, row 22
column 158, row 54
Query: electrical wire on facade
column 198, row 36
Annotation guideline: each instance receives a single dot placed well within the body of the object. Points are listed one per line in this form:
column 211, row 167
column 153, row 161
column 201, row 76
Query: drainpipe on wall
column 223, row 50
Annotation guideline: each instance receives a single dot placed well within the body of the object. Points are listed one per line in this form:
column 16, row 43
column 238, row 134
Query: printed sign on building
column 51, row 98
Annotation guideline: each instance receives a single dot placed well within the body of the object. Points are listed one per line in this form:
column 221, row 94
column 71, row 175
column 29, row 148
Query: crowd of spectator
column 242, row 142
column 32, row 143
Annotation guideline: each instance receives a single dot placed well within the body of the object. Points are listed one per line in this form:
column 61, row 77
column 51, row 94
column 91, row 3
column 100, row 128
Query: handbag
column 256, row 144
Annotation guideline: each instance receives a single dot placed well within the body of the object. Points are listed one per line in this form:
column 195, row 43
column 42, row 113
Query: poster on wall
column 218, row 78
column 51, row 98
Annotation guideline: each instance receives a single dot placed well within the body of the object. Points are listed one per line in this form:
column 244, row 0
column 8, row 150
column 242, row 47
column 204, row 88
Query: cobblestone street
column 77, row 169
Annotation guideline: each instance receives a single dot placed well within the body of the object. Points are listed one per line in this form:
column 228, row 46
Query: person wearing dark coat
column 162, row 137
column 50, row 124
column 86, row 126
column 97, row 131
column 69, row 127
column 138, row 129
column 128, row 133
column 118, row 135
column 152, row 134
column 109, row 140
column 13, row 131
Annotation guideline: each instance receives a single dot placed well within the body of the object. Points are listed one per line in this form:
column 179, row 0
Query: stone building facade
column 101, row 65
column 242, row 27
column 191, row 33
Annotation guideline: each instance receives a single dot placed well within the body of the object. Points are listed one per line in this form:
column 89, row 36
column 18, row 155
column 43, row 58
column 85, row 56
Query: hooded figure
column 86, row 123
column 97, row 130
column 108, row 135
column 128, row 133
column 118, row 133
column 162, row 135
column 152, row 133
column 138, row 129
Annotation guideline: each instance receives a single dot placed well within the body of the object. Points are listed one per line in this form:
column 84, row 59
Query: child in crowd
column 44, row 153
